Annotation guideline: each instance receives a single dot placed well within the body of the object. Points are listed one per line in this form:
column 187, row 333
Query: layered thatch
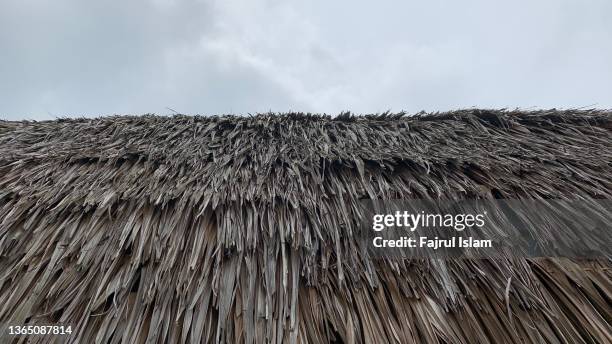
column 240, row 229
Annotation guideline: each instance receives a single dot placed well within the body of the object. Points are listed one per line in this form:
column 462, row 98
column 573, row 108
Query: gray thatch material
column 232, row 229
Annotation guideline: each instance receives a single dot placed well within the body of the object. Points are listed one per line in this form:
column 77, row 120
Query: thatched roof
column 238, row 229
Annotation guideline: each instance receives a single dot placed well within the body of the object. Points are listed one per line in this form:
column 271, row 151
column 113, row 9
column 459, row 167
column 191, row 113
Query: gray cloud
column 76, row 58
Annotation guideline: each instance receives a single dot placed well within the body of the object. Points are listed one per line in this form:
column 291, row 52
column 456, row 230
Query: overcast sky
column 89, row 58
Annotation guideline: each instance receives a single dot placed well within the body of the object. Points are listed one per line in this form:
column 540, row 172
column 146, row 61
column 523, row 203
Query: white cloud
column 76, row 58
